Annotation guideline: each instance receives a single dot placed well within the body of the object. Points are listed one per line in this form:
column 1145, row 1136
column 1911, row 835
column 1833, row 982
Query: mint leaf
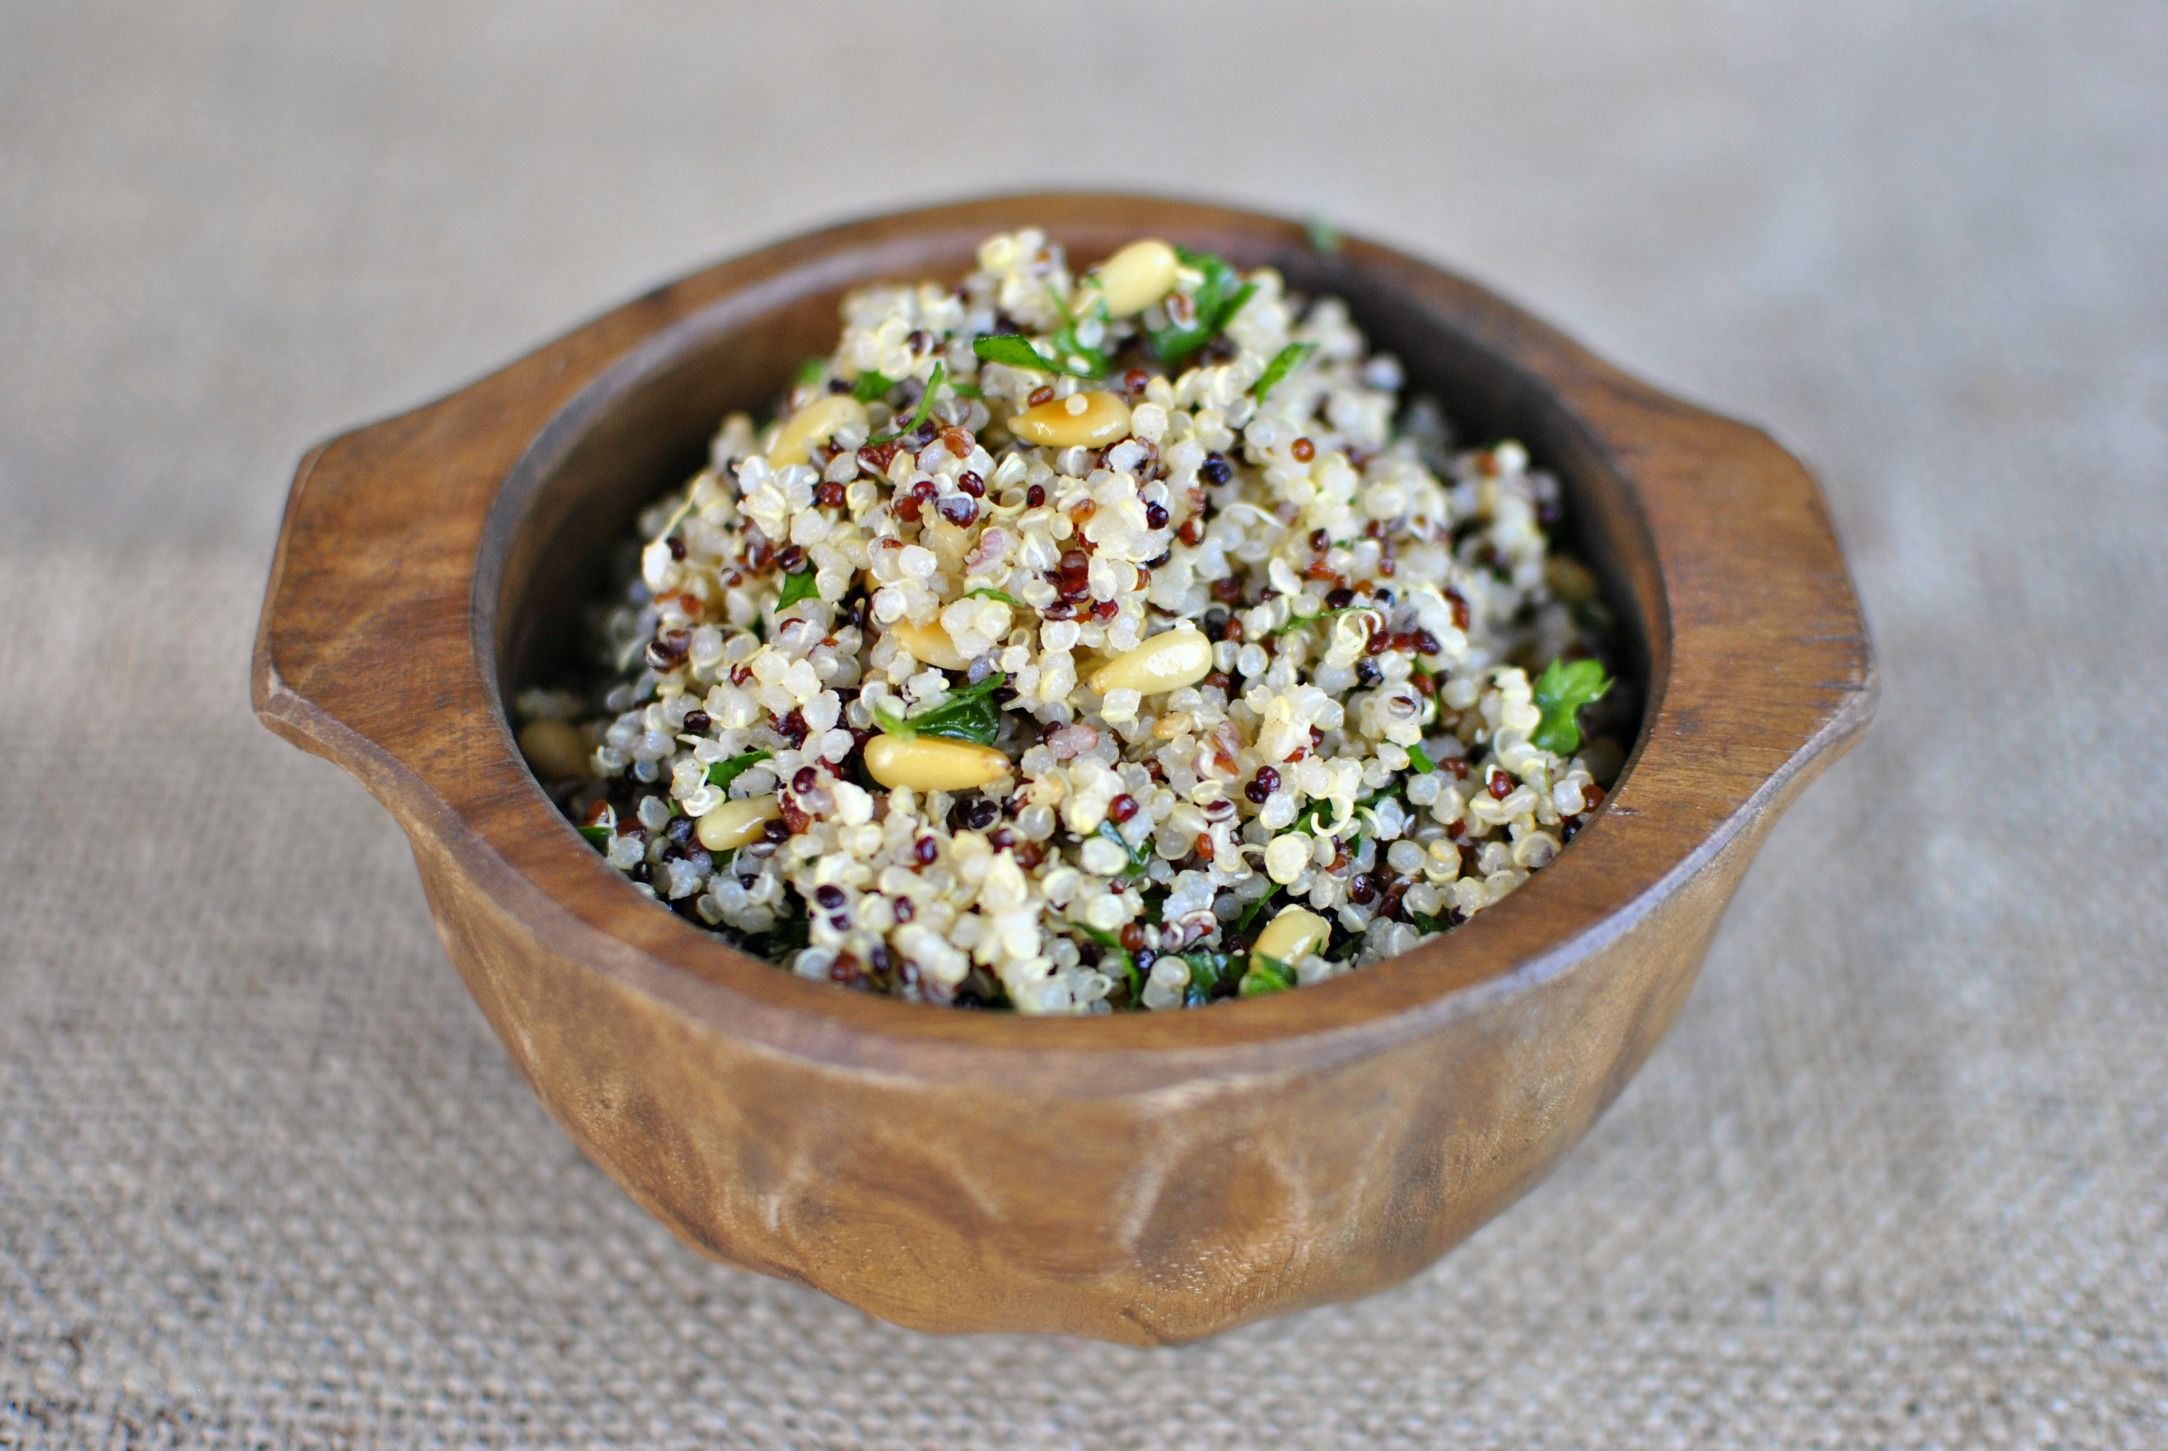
column 1285, row 361
column 796, row 587
column 722, row 773
column 871, row 386
column 1266, row 975
column 1561, row 691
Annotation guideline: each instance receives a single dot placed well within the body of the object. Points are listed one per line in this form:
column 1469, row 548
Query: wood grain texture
column 1147, row 1178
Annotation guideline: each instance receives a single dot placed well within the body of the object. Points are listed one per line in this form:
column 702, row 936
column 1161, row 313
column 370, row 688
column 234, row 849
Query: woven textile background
column 1898, row 1177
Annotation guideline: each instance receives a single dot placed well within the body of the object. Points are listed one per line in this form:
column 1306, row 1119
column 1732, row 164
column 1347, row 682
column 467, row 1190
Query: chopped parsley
column 722, row 773
column 1019, row 351
column 1206, row 971
column 1562, row 690
column 1072, row 353
column 809, row 372
column 1420, row 758
column 969, row 714
column 988, row 592
column 1266, row 975
column 1219, row 296
column 924, row 410
column 871, row 386
column 599, row 834
column 796, row 587
column 1285, row 361
column 1139, row 853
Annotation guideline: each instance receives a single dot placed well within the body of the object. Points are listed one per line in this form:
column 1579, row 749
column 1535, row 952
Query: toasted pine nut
column 556, row 750
column 1296, row 932
column 929, row 763
column 1137, row 276
column 1169, row 660
column 734, row 823
column 1091, row 419
column 929, row 643
column 815, row 423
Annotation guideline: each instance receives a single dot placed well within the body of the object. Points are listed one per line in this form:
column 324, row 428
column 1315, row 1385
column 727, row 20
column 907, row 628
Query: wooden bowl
column 1147, row 1178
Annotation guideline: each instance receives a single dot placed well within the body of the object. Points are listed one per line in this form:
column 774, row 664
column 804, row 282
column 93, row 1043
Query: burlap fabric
column 1900, row 1175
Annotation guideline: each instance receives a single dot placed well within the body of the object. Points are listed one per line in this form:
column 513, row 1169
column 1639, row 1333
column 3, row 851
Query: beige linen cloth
column 1898, row 1177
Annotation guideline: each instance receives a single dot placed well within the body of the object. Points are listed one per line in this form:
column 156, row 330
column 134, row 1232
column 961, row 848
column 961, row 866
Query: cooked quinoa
column 1076, row 641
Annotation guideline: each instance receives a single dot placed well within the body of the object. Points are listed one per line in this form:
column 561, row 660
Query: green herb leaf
column 1013, row 349
column 809, row 372
column 871, row 386
column 722, row 773
column 1266, row 975
column 1426, row 924
column 1069, row 350
column 1324, row 236
column 967, row 390
column 988, row 592
column 1420, row 758
column 1285, row 361
column 598, row 834
column 778, row 942
column 1219, row 296
column 1206, row 970
column 1139, row 853
column 1256, row 909
column 1297, row 622
column 924, row 410
column 969, row 714
column 1561, row 691
column 796, row 587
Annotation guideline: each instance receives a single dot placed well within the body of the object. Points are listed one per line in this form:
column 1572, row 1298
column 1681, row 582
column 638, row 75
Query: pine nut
column 929, row 643
column 557, row 751
column 815, row 423
column 1169, row 660
column 930, row 763
column 1137, row 276
column 1091, row 419
column 735, row 823
column 1295, row 933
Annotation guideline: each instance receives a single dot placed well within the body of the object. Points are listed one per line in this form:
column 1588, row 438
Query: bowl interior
column 558, row 530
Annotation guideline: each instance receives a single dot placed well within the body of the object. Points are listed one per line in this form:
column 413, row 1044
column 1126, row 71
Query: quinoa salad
column 1077, row 640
